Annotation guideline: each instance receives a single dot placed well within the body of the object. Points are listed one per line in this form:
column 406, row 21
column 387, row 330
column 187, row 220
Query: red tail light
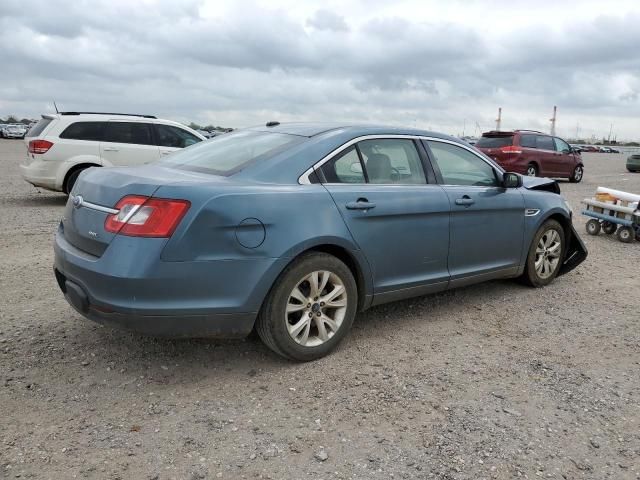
column 511, row 149
column 146, row 217
column 39, row 146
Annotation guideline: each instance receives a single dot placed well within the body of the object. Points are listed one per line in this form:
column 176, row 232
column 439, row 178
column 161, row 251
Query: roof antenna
column 55, row 106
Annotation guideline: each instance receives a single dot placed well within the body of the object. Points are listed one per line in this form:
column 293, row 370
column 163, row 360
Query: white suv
column 60, row 146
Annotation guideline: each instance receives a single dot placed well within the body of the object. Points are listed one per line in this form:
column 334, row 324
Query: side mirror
column 511, row 180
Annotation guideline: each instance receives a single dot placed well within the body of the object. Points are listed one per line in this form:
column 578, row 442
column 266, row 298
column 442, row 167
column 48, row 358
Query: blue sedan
column 292, row 229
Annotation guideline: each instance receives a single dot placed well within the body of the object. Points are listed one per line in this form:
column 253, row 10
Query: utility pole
column 609, row 137
column 499, row 119
column 577, row 130
column 464, row 126
column 553, row 121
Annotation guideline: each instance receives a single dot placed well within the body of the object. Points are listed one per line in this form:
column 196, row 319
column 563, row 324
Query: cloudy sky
column 442, row 65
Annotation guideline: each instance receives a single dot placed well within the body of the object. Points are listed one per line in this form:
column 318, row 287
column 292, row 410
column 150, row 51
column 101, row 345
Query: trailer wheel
column 593, row 227
column 625, row 234
column 609, row 228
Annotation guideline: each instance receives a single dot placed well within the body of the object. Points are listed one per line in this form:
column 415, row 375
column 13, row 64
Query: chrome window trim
column 304, row 178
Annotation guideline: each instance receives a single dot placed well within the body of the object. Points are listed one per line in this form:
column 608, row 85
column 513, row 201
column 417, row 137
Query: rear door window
column 528, row 141
column 170, row 136
column 84, row 131
column 495, row 142
column 129, row 132
column 392, row 161
column 544, row 142
column 344, row 168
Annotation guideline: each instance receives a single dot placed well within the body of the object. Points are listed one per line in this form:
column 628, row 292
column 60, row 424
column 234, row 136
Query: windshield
column 227, row 154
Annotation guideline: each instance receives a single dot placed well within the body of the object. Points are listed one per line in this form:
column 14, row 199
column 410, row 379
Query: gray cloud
column 327, row 20
column 249, row 63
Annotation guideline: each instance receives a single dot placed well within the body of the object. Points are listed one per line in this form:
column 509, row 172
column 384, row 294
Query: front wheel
column 593, row 227
column 545, row 255
column 310, row 308
column 578, row 173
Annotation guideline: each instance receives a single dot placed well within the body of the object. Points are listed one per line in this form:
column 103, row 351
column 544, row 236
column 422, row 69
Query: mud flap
column 576, row 253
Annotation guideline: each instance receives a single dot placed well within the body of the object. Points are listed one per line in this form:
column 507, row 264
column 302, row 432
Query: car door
column 564, row 158
column 487, row 220
column 128, row 143
column 547, row 153
column 398, row 219
column 172, row 138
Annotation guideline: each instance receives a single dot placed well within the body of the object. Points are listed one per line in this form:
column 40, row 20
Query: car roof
column 312, row 129
column 320, row 139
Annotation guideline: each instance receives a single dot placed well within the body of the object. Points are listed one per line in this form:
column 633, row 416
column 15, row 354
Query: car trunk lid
column 98, row 190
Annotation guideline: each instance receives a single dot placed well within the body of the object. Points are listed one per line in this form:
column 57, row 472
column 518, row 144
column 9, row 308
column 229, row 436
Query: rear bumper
column 41, row 174
column 130, row 287
column 220, row 325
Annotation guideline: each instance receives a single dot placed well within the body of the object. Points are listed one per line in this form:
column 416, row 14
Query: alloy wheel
column 577, row 174
column 548, row 253
column 316, row 308
column 531, row 171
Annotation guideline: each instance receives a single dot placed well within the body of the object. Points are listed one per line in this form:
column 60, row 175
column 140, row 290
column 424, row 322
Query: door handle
column 165, row 152
column 110, row 149
column 466, row 201
column 361, row 204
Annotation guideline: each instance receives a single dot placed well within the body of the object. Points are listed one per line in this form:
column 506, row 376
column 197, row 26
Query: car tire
column 609, row 228
column 578, row 173
column 532, row 170
column 306, row 332
column 546, row 254
column 593, row 227
column 71, row 180
column 625, row 234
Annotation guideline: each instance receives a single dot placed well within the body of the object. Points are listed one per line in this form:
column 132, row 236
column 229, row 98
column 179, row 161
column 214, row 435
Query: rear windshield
column 495, row 142
column 39, row 127
column 227, row 154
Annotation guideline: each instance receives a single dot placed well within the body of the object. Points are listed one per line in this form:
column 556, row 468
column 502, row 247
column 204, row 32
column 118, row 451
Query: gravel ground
column 491, row 381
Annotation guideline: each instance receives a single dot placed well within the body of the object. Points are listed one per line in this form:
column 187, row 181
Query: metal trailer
column 612, row 218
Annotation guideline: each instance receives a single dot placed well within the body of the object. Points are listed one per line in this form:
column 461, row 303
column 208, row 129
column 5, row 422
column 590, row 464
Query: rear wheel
column 532, row 170
column 310, row 308
column 545, row 255
column 578, row 173
column 625, row 234
column 593, row 227
column 70, row 181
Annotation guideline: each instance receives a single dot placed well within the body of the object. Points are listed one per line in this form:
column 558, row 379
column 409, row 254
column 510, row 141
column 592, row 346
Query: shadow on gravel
column 37, row 200
column 183, row 361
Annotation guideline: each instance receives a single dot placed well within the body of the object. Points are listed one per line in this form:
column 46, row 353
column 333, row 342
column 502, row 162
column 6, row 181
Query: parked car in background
column 14, row 131
column 205, row 133
column 62, row 145
column 294, row 228
column 633, row 162
column 532, row 153
column 590, row 148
